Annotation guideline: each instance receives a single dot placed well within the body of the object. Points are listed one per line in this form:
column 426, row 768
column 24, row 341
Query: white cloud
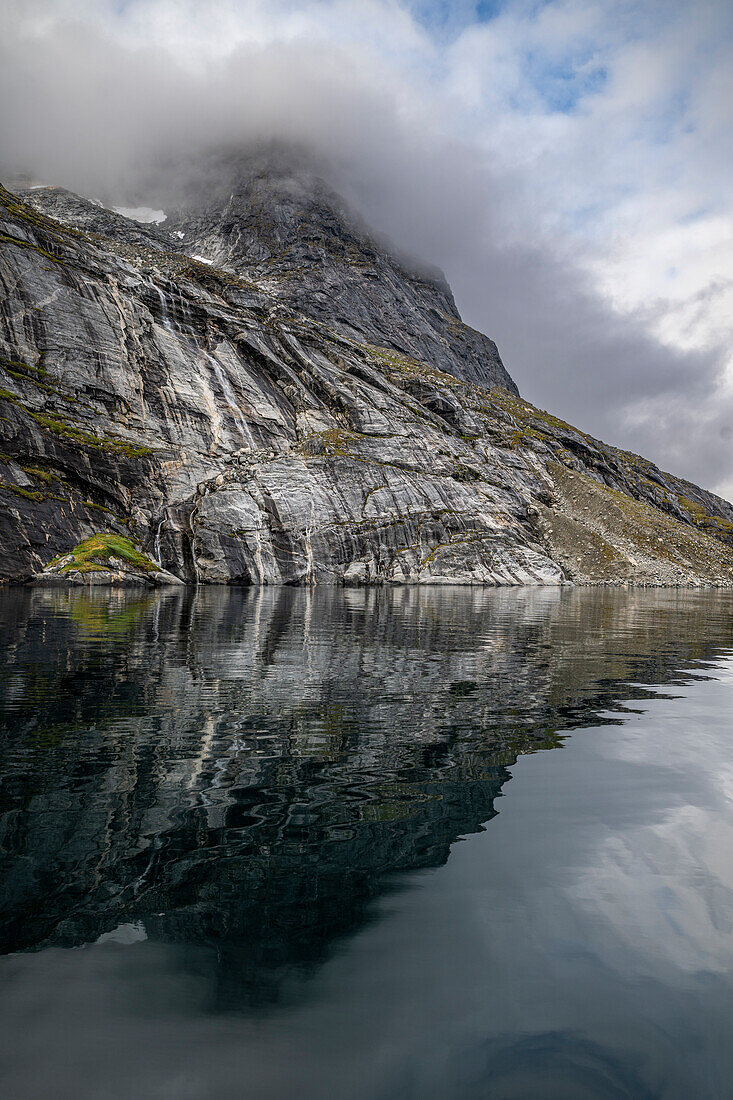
column 568, row 164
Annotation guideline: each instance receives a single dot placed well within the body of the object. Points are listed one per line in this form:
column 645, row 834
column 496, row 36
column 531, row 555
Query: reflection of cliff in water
column 245, row 769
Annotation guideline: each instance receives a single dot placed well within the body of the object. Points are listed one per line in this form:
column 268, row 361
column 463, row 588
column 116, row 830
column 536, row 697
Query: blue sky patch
column 561, row 84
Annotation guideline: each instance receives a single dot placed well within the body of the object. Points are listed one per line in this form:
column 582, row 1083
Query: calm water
column 230, row 826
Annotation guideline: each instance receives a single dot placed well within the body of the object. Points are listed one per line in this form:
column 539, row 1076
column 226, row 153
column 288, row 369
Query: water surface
column 230, row 826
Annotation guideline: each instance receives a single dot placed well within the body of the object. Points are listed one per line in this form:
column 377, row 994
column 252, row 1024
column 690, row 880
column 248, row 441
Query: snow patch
column 144, row 214
column 125, row 934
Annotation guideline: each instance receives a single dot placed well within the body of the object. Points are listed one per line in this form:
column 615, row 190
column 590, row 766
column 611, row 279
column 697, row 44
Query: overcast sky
column 567, row 164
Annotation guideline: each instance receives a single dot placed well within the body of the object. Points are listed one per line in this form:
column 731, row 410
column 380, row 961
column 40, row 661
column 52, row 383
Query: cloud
column 567, row 164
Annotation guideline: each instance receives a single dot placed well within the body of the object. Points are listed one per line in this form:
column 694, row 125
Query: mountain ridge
column 286, row 230
column 253, row 423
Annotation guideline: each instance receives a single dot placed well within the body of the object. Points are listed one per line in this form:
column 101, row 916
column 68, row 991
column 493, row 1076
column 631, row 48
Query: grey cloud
column 82, row 108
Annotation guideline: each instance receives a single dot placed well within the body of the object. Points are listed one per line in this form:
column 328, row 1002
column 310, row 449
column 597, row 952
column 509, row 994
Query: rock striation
column 283, row 226
column 259, row 392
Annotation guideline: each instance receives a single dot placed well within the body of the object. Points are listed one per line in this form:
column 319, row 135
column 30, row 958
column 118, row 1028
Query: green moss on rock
column 333, row 441
column 28, row 494
column 96, row 554
column 62, row 427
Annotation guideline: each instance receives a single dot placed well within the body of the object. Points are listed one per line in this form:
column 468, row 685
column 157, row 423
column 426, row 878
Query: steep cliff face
column 283, row 226
column 257, row 393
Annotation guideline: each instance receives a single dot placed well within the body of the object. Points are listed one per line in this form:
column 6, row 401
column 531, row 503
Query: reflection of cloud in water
column 245, row 799
column 671, row 882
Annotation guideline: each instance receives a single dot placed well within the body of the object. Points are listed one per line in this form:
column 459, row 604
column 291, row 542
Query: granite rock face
column 258, row 393
column 282, row 225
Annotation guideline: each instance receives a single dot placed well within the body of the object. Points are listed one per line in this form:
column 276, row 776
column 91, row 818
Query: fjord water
column 411, row 843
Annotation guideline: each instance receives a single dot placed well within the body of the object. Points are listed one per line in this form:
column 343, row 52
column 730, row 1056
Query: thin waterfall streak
column 231, row 401
column 310, row 565
column 164, row 315
column 193, row 559
column 258, row 555
column 168, row 321
column 192, row 537
column 156, row 544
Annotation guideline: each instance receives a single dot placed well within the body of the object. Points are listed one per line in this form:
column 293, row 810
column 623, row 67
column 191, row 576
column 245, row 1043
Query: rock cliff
column 260, row 392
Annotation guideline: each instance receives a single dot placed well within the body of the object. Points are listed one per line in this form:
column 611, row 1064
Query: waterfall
column 192, row 532
column 192, row 546
column 310, row 565
column 258, row 555
column 230, row 400
column 165, row 320
column 156, row 544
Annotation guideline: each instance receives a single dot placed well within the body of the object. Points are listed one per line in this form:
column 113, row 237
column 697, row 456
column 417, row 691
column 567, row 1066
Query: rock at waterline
column 105, row 559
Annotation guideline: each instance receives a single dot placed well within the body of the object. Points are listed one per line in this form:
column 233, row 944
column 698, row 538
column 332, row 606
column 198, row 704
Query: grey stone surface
column 279, row 223
column 244, row 426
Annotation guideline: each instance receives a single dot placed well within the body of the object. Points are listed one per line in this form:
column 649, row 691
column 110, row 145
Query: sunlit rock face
column 257, row 392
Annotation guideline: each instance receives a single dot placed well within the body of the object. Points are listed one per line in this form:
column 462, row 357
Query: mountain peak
column 280, row 221
column 310, row 420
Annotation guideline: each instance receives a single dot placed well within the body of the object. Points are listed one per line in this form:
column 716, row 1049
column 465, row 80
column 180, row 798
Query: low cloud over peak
column 567, row 165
